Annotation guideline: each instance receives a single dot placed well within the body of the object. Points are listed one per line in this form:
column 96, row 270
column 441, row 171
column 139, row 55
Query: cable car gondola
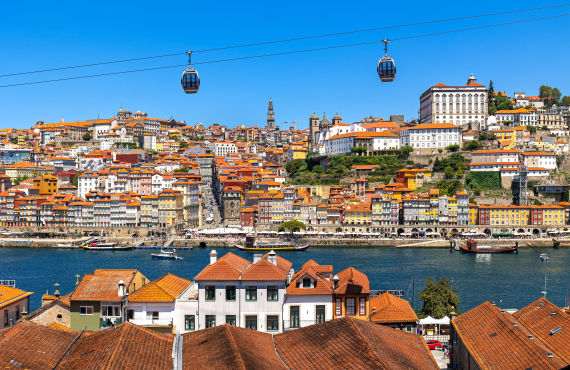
column 386, row 66
column 190, row 79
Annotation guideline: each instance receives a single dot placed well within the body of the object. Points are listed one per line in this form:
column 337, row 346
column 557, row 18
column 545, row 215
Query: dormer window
column 306, row 283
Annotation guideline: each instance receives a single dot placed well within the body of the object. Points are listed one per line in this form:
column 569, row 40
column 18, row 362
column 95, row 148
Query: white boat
column 544, row 257
column 165, row 255
column 64, row 245
column 106, row 246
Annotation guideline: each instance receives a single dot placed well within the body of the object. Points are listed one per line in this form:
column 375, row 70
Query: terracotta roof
column 164, row 289
column 352, row 281
column 33, row 346
column 227, row 267
column 102, row 285
column 364, row 135
column 229, row 347
column 540, row 317
column 126, row 346
column 9, row 295
column 320, row 276
column 494, row 342
column 433, row 126
column 349, row 343
column 387, row 308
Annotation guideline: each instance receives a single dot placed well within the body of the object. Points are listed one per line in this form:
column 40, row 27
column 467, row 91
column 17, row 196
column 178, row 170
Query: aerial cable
column 300, row 38
column 292, row 51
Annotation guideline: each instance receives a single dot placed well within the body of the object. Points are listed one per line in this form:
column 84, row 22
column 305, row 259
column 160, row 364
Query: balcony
column 152, row 322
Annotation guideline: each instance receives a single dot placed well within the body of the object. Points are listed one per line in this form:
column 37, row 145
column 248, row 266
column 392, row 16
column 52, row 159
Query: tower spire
column 270, row 115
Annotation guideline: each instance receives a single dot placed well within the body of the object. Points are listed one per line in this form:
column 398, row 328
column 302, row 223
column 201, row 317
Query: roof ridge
column 366, row 344
column 234, row 346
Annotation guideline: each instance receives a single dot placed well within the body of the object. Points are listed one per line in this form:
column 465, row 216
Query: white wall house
column 433, row 135
column 540, row 159
column 153, row 306
column 87, row 182
column 309, row 297
column 517, row 117
column 250, row 295
column 372, row 140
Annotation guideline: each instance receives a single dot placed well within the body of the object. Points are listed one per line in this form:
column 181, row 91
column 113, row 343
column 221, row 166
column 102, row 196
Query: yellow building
column 358, row 214
column 553, row 215
column 473, row 214
column 46, row 185
column 413, row 178
column 25, row 170
column 509, row 215
column 170, row 208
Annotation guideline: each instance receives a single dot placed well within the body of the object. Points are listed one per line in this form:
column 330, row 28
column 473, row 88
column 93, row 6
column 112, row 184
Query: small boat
column 106, row 247
column 165, row 255
column 64, row 245
column 253, row 245
column 544, row 257
column 471, row 246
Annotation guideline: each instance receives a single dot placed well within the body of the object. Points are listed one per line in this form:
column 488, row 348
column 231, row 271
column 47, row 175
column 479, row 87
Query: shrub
column 452, row 147
column 472, row 145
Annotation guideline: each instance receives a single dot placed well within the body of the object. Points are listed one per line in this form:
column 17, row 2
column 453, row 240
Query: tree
column 18, row 180
column 449, row 172
column 491, row 99
column 452, row 147
column 544, row 128
column 483, row 136
column 565, row 100
column 439, row 298
column 87, row 136
column 295, row 166
column 75, row 181
column 405, row 151
column 531, row 129
column 550, row 95
column 292, row 226
column 318, row 169
column 358, row 150
column 182, row 169
column 472, row 145
column 503, row 103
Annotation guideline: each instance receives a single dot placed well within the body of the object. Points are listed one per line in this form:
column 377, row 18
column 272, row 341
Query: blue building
column 11, row 156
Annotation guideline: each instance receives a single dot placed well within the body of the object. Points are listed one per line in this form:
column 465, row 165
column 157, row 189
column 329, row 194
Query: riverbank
column 314, row 242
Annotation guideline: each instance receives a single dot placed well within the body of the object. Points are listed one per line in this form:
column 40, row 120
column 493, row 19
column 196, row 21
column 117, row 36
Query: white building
column 517, row 117
column 461, row 105
column 87, row 182
column 433, row 135
column 540, row 160
column 153, row 306
column 221, row 149
column 309, row 296
column 371, row 140
column 247, row 294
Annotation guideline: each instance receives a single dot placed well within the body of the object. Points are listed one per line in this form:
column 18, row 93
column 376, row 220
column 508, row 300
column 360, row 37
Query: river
column 509, row 280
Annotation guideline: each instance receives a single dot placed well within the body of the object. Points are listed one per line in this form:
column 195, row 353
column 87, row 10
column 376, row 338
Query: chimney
column 335, row 279
column 272, row 257
column 530, row 337
column 121, row 288
column 213, row 256
column 552, row 313
column 257, row 257
column 515, row 324
column 56, row 293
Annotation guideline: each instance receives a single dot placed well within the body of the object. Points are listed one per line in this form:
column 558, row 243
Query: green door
column 294, row 317
column 320, row 314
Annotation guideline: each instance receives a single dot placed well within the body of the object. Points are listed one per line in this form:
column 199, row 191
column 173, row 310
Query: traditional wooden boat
column 97, row 246
column 471, row 246
column 254, row 245
column 165, row 255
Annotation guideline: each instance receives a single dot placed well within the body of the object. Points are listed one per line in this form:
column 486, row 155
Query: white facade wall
column 385, row 143
column 143, row 313
column 85, row 184
column 434, row 138
column 338, row 146
column 307, row 308
column 544, row 161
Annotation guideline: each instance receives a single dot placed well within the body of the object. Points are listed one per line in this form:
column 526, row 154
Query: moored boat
column 253, row 245
column 106, row 246
column 544, row 257
column 471, row 246
column 165, row 255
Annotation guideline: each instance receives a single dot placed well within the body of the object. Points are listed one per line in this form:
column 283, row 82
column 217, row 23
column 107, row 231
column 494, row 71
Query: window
column 210, row 293
column 251, row 293
column 362, row 307
column 17, row 312
column 130, row 314
column 272, row 323
column 350, row 304
column 306, row 283
column 231, row 320
column 155, row 315
column 251, row 322
column 86, row 310
column 110, row 311
column 189, row 322
column 272, row 293
column 5, row 317
column 210, row 321
column 294, row 317
column 319, row 314
column 338, row 307
column 230, row 293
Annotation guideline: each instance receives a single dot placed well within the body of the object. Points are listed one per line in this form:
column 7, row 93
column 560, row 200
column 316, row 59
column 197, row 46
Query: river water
column 509, row 280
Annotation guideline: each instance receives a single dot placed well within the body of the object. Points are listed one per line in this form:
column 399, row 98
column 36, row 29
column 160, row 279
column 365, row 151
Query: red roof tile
column 387, row 308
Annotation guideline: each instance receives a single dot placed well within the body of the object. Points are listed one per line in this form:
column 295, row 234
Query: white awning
column 431, row 321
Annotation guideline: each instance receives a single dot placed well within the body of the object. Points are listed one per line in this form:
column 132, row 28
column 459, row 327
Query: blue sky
column 36, row 35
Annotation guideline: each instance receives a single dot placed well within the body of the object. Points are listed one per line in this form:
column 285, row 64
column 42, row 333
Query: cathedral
column 322, row 129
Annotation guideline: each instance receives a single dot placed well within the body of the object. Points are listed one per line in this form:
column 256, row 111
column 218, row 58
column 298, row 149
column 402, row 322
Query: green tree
column 182, row 169
column 292, row 226
column 318, row 169
column 503, row 103
column 295, row 166
column 87, row 136
column 452, row 147
column 358, row 150
column 75, row 181
column 472, row 145
column 550, row 95
column 491, row 99
column 18, row 180
column 565, row 100
column 449, row 172
column 531, row 129
column 439, row 298
column 483, row 136
column 544, row 127
column 405, row 151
